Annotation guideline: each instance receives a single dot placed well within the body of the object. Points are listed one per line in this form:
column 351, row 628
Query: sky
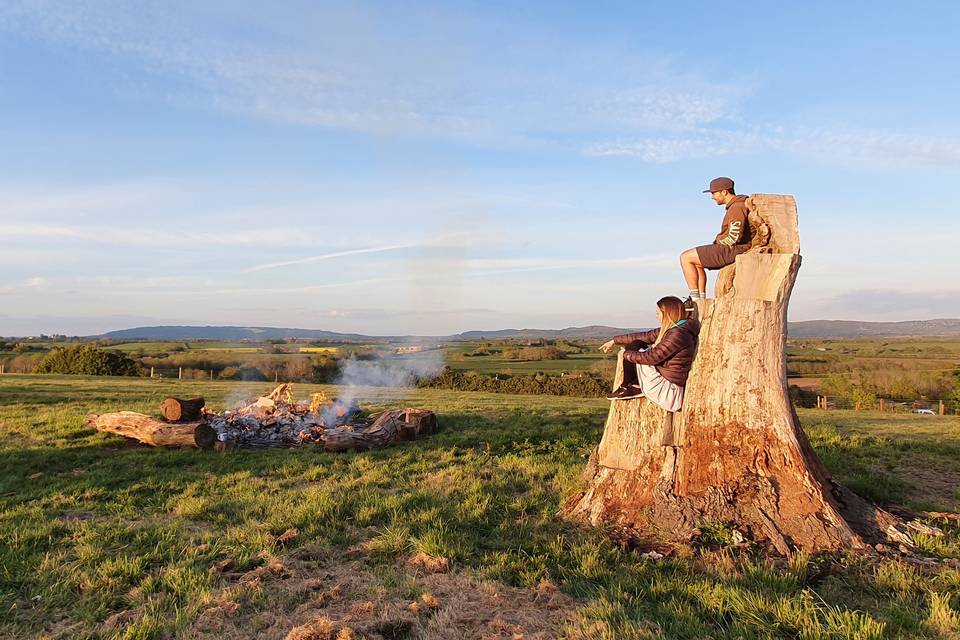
column 429, row 168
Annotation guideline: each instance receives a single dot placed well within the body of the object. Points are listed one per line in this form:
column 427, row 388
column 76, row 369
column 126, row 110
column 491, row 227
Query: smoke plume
column 388, row 376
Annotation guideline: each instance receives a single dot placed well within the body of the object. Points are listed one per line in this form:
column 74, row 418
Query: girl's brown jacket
column 672, row 357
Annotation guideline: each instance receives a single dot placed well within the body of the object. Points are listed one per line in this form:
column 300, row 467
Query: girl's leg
column 630, row 375
column 702, row 281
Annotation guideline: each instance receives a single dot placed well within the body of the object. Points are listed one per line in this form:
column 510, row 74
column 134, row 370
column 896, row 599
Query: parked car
column 926, row 412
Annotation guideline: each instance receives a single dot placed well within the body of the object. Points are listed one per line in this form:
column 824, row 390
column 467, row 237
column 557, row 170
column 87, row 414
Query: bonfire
column 274, row 420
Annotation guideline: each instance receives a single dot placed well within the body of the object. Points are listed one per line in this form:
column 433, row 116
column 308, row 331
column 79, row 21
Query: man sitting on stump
column 733, row 239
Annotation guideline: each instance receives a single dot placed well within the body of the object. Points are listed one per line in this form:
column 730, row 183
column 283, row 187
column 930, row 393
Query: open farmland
column 490, row 358
column 99, row 538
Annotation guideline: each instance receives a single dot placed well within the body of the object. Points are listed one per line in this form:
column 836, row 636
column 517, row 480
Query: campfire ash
column 277, row 420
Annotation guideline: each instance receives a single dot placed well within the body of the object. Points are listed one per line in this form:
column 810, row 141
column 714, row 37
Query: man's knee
column 690, row 257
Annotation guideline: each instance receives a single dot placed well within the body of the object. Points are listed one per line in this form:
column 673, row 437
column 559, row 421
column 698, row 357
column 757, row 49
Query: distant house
column 416, row 348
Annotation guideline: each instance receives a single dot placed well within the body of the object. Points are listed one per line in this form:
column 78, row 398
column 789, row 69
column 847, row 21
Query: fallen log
column 383, row 431
column 153, row 432
column 179, row 410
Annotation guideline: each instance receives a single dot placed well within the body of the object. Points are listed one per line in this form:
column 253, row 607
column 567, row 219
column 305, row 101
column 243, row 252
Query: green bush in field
column 87, row 359
column 864, row 398
column 954, row 398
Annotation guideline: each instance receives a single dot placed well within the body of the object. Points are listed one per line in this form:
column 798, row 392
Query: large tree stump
column 153, row 432
column 736, row 454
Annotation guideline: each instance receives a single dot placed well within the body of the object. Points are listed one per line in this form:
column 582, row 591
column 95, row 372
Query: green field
column 907, row 372
column 494, row 364
column 457, row 358
column 99, row 538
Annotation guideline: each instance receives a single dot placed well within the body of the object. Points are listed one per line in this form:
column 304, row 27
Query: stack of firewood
column 273, row 420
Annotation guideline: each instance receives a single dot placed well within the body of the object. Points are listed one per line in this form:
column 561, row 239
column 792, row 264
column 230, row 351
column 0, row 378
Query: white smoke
column 390, row 376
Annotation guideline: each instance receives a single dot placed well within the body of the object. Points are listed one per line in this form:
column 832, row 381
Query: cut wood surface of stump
column 736, row 454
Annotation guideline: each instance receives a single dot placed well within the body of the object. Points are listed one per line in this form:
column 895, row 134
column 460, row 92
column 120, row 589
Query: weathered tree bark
column 736, row 453
column 179, row 410
column 387, row 427
column 382, row 432
column 155, row 433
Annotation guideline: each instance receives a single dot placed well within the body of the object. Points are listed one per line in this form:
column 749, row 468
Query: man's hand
column 606, row 346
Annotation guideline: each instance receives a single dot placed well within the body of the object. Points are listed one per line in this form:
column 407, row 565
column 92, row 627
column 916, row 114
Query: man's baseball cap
column 719, row 184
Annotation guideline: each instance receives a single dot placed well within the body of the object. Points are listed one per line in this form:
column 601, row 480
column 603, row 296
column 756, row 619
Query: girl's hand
column 606, row 346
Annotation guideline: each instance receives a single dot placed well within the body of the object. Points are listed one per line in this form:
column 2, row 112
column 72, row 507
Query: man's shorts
column 717, row 256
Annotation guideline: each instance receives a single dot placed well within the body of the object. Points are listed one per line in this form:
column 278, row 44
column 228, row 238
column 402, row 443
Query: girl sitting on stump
column 663, row 357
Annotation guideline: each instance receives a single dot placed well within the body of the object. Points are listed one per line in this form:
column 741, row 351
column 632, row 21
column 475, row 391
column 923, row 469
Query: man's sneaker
column 626, row 393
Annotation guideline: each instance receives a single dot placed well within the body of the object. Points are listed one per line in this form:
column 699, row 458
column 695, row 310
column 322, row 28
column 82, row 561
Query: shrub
column 230, row 373
column 87, row 359
column 865, row 398
column 22, row 364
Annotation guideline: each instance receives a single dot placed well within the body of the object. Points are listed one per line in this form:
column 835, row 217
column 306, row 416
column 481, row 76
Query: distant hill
column 571, row 333
column 227, row 333
column 805, row 329
column 858, row 329
column 270, row 333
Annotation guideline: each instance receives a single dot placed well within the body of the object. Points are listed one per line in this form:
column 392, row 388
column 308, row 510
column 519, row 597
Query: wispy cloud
column 393, row 84
column 855, row 147
column 129, row 236
column 328, row 256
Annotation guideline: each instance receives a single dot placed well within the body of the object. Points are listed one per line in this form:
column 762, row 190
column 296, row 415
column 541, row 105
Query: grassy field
column 494, row 364
column 99, row 538
column 457, row 358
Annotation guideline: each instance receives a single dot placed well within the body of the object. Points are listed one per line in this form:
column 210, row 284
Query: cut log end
column 204, row 437
column 180, row 410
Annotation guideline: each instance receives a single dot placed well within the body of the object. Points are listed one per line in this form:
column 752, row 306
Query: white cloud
column 352, row 70
column 855, row 147
column 654, row 107
column 659, row 150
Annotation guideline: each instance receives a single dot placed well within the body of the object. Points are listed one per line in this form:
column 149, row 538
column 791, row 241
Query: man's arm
column 732, row 229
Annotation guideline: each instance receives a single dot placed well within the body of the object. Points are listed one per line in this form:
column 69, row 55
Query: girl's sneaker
column 626, row 393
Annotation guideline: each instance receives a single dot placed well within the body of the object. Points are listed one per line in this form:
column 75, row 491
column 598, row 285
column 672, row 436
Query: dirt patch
column 305, row 598
column 422, row 564
column 935, row 486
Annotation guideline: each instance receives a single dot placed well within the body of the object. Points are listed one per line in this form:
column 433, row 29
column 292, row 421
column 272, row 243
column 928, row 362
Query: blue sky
column 436, row 167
